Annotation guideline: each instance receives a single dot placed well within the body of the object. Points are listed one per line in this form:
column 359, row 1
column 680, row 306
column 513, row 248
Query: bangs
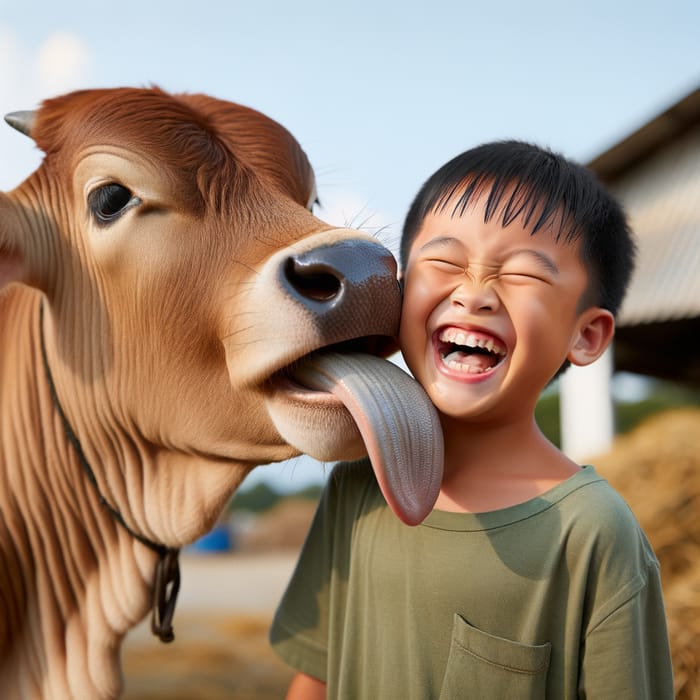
column 517, row 182
column 510, row 200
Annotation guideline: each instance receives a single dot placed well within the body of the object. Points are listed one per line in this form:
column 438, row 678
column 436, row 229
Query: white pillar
column 586, row 409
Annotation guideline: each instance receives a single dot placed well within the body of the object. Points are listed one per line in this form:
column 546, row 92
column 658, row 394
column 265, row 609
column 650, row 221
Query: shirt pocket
column 492, row 668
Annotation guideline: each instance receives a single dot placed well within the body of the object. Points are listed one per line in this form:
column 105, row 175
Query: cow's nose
column 344, row 273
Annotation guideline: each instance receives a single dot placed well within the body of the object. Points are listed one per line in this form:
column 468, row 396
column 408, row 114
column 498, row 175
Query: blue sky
column 378, row 93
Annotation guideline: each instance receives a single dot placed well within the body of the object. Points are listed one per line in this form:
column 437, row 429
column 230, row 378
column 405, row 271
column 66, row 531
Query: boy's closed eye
column 523, row 276
column 446, row 265
column 529, row 265
column 521, row 271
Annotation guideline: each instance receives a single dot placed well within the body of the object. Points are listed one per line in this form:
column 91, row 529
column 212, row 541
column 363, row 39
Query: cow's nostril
column 312, row 279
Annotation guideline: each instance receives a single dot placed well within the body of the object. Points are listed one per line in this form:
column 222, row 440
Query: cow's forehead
column 141, row 119
column 180, row 131
column 151, row 118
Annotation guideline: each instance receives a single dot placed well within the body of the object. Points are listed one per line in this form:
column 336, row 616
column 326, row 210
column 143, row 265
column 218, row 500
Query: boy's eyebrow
column 545, row 260
column 439, row 242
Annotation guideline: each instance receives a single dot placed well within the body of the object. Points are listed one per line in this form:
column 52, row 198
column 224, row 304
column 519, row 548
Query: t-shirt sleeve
column 300, row 628
column 626, row 656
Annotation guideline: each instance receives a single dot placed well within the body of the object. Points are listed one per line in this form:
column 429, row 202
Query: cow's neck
column 166, row 496
column 72, row 580
column 167, row 574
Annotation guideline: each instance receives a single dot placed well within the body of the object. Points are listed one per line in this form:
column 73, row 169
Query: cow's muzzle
column 347, row 284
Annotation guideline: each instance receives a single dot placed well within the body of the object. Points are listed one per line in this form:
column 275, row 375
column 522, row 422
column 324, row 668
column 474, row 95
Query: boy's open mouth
column 469, row 351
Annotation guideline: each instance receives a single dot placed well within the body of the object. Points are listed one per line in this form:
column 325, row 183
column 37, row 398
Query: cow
column 172, row 314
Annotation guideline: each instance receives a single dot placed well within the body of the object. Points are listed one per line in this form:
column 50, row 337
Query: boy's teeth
column 470, row 340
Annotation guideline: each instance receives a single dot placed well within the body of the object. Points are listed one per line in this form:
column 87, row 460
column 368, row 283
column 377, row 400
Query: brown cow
column 165, row 293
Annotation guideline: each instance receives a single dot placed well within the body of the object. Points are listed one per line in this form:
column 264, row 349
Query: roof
column 655, row 172
column 653, row 135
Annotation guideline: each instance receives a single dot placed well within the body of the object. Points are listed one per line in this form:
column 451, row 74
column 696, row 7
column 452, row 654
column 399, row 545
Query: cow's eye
column 109, row 202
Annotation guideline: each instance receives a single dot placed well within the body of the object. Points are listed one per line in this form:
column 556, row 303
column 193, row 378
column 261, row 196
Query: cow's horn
column 22, row 121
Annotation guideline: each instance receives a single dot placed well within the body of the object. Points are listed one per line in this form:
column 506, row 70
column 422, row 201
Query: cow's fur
column 162, row 326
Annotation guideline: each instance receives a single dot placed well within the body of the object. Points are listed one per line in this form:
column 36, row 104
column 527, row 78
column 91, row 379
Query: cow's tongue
column 397, row 421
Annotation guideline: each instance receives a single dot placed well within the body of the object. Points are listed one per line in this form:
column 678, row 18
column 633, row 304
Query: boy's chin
column 467, row 406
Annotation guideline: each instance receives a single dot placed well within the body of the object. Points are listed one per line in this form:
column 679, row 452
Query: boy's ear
column 595, row 331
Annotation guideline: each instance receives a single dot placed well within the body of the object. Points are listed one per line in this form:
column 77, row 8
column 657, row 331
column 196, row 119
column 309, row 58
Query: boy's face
column 491, row 313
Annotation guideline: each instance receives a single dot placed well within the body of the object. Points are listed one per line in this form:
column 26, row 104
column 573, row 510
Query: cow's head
column 191, row 292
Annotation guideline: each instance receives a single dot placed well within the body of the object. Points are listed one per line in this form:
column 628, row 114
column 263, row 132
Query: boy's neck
column 494, row 466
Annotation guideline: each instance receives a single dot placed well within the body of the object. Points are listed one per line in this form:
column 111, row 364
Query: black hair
column 545, row 188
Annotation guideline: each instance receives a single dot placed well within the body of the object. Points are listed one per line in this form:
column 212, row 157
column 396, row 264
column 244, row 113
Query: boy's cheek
column 413, row 337
column 419, row 291
column 414, row 306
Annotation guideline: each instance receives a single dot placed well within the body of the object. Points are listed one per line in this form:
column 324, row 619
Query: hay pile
column 656, row 468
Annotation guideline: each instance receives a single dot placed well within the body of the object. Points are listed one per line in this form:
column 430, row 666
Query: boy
column 530, row 578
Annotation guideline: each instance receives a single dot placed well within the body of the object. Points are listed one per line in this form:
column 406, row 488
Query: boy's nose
column 475, row 297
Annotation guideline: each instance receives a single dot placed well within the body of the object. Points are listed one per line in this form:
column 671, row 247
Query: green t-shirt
column 558, row 597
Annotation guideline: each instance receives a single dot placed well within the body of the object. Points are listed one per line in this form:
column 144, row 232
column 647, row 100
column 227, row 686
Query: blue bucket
column 216, row 540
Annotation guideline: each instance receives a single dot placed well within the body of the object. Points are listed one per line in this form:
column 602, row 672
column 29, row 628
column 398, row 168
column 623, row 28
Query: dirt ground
column 214, row 656
column 221, row 624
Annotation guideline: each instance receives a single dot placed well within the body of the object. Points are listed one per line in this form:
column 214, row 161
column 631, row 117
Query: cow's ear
column 13, row 235
column 13, row 266
column 12, row 260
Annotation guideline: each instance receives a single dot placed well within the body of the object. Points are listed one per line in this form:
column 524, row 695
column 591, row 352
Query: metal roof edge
column 640, row 144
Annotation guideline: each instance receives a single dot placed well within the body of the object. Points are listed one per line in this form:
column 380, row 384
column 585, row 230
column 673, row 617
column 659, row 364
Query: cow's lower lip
column 285, row 385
